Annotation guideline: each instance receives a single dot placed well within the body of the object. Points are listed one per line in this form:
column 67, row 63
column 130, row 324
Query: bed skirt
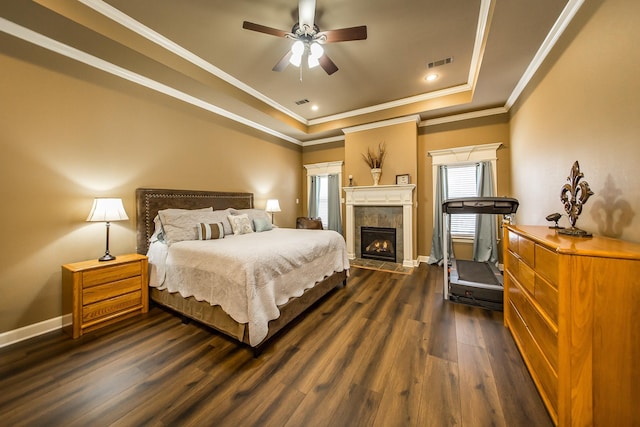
column 216, row 318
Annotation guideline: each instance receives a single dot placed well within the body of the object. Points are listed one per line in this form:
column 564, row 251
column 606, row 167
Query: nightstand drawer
column 109, row 290
column 103, row 292
column 110, row 274
column 112, row 306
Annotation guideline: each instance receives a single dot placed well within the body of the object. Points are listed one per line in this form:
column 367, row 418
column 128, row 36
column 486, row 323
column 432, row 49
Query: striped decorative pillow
column 210, row 231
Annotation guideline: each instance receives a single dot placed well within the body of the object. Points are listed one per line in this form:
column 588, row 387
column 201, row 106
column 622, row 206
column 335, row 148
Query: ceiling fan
column 309, row 39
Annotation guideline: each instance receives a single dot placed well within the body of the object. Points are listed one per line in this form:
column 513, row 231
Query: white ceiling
column 197, row 51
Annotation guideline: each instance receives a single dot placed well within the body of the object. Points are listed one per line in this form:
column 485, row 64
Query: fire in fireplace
column 378, row 243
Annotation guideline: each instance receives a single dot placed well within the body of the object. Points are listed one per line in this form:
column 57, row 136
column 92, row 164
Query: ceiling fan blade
column 344, row 34
column 284, row 61
column 327, row 64
column 306, row 13
column 262, row 29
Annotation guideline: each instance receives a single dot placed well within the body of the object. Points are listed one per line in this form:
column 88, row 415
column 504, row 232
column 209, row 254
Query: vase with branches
column 375, row 160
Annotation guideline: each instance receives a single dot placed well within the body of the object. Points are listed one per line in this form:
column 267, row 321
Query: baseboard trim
column 422, row 259
column 31, row 331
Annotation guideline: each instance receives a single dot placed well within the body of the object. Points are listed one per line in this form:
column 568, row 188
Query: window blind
column 461, row 182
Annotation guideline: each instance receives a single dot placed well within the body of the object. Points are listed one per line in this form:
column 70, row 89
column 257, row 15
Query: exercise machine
column 472, row 282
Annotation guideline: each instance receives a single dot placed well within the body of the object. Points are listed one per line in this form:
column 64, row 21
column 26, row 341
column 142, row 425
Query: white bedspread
column 249, row 275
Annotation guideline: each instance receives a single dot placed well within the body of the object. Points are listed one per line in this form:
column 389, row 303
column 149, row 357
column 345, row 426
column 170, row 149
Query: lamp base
column 107, row 257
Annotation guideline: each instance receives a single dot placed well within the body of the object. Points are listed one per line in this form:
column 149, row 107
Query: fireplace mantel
column 382, row 195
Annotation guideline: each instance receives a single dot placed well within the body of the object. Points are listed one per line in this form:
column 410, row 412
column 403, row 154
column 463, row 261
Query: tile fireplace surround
column 382, row 196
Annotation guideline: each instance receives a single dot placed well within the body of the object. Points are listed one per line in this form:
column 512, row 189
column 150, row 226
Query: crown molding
column 137, row 27
column 392, row 104
column 384, row 123
column 95, row 62
column 549, row 42
column 464, row 116
column 323, row 141
column 114, row 14
column 126, row 21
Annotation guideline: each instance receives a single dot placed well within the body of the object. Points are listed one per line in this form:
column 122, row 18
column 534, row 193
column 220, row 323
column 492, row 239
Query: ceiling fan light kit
column 308, row 39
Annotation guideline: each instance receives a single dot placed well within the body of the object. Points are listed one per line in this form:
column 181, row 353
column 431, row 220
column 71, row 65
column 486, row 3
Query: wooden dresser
column 105, row 292
column 573, row 307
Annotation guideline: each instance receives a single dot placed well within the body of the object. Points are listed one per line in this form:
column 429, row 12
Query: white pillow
column 179, row 226
column 240, row 224
column 158, row 232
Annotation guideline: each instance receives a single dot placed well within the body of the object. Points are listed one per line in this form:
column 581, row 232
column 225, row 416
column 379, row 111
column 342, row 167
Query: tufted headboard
column 150, row 200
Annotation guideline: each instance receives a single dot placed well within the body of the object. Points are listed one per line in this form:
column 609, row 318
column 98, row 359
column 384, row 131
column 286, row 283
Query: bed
column 249, row 297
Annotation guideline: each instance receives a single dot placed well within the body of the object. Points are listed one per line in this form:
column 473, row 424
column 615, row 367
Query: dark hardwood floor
column 384, row 351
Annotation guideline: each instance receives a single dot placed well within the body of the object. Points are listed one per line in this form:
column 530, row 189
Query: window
column 461, row 163
column 324, row 174
column 461, row 182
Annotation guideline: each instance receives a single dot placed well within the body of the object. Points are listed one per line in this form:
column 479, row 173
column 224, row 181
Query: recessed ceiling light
column 314, row 107
column 431, row 77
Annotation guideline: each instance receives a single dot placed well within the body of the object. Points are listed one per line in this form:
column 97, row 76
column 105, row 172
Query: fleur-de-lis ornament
column 574, row 195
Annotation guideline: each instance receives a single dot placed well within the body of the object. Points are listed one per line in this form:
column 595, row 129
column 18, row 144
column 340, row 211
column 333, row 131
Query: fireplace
column 378, row 243
column 381, row 206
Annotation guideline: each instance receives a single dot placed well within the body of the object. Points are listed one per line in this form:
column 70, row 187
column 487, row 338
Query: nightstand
column 105, row 292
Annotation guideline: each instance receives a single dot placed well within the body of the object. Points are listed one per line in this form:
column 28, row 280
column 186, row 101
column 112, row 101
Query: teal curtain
column 485, row 246
column 335, row 211
column 437, row 253
column 313, row 197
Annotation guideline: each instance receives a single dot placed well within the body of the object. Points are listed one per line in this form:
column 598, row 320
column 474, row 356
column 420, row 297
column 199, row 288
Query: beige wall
column 69, row 133
column 487, row 130
column 400, row 143
column 584, row 105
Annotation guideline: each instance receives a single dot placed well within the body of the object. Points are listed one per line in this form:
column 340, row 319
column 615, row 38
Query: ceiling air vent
column 302, row 101
column 440, row 62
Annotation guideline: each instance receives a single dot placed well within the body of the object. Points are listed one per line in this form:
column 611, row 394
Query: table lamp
column 272, row 206
column 107, row 210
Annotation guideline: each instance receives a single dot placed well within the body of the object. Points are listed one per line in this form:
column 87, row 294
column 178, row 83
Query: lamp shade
column 106, row 210
column 272, row 205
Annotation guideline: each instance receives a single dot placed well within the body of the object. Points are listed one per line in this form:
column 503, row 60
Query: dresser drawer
column 544, row 375
column 547, row 264
column 511, row 263
column 513, row 241
column 526, row 250
column 113, row 273
column 547, row 297
column 112, row 306
column 545, row 335
column 97, row 293
column 526, row 277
